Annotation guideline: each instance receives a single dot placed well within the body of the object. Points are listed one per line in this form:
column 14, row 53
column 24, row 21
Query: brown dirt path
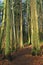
column 23, row 57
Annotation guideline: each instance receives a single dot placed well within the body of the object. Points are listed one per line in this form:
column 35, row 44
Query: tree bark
column 34, row 26
column 7, row 44
column 21, row 33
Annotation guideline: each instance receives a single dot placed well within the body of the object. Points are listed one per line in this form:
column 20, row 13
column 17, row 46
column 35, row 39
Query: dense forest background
column 21, row 23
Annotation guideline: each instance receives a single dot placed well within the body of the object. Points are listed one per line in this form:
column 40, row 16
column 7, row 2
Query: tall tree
column 28, row 20
column 17, row 20
column 40, row 15
column 13, row 18
column 7, row 44
column 21, row 32
column 34, row 27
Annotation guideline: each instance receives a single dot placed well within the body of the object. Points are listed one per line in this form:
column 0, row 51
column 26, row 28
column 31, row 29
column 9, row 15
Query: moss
column 39, row 52
column 34, row 52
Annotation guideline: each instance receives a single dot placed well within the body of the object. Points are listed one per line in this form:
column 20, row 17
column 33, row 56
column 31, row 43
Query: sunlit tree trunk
column 34, row 27
column 21, row 33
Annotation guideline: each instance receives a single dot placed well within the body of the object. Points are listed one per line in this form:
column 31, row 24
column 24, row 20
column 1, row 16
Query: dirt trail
column 23, row 57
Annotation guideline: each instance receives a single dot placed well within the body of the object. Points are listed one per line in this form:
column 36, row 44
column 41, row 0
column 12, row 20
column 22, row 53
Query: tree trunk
column 17, row 17
column 13, row 24
column 21, row 33
column 28, row 20
column 34, row 27
column 7, row 44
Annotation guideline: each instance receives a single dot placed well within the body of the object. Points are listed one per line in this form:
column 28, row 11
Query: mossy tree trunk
column 34, row 27
column 7, row 44
column 41, row 16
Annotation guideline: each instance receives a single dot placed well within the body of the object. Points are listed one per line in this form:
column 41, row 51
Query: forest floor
column 23, row 57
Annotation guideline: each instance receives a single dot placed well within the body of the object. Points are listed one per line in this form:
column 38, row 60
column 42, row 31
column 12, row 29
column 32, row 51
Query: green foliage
column 1, row 6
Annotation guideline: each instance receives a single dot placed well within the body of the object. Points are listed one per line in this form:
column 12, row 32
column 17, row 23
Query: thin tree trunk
column 21, row 33
column 13, row 24
column 41, row 17
column 28, row 20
